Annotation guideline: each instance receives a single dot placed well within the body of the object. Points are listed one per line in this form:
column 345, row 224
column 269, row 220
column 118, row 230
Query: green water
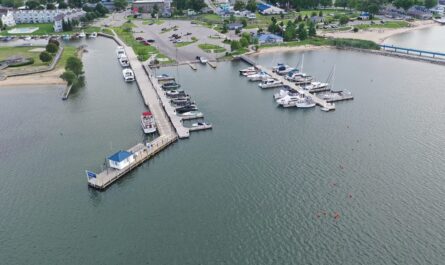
column 247, row 192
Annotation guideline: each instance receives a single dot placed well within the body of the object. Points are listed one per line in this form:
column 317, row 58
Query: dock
column 321, row 102
column 197, row 116
column 192, row 65
column 66, row 92
column 212, row 64
column 141, row 154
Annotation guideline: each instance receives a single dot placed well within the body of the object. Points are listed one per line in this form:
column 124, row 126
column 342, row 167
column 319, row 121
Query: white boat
column 285, row 71
column 192, row 114
column 290, row 100
column 82, row 34
column 315, row 86
column 248, row 69
column 281, row 94
column 279, row 66
column 93, row 35
column 305, row 103
column 148, row 122
column 247, row 73
column 440, row 20
column 120, row 51
column 128, row 75
column 198, row 124
column 203, row 60
column 123, row 60
column 258, row 76
column 270, row 83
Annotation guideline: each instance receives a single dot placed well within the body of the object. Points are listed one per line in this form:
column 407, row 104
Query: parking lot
column 163, row 40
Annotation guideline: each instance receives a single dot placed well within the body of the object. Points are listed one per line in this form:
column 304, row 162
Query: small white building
column 7, row 17
column 121, row 159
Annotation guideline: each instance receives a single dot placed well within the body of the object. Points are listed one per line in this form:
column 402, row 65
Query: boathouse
column 120, row 159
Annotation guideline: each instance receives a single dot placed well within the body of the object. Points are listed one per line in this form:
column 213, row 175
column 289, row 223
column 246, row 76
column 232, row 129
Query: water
column 247, row 192
column 429, row 39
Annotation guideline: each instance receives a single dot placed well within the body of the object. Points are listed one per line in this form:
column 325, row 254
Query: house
column 391, row 11
column 266, row 9
column 420, row 12
column 234, row 26
column 121, row 159
column 146, row 6
column 7, row 17
column 45, row 16
column 58, row 23
column 269, row 39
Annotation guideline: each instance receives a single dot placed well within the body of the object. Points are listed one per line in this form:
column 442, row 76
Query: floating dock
column 193, row 66
column 199, row 115
column 335, row 96
column 321, row 102
column 66, row 92
column 212, row 64
column 141, row 153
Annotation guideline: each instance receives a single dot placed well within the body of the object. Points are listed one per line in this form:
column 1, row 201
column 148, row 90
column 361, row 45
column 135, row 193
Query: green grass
column 144, row 52
column 211, row 48
column 107, row 31
column 185, row 43
column 68, row 51
column 6, row 52
column 386, row 25
column 44, row 29
column 155, row 21
column 318, row 41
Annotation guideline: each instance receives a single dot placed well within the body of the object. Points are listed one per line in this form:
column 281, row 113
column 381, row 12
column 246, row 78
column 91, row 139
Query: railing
column 408, row 50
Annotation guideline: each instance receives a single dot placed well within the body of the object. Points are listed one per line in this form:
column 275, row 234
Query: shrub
column 45, row 57
column 355, row 29
column 343, row 20
column 54, row 41
column 51, row 48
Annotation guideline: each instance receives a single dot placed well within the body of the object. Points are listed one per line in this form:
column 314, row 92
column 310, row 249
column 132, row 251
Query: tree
column 343, row 20
column 405, row 4
column 290, row 32
column 224, row 28
column 50, row 6
column 326, row 2
column 120, row 4
column 312, row 31
column 235, row 45
column 1, row 24
column 430, row 3
column 244, row 22
column 154, row 11
column 239, row 5
column 74, row 64
column 244, row 42
column 341, row 3
column 63, row 5
column 75, row 3
column 302, row 32
column 232, row 18
column 251, row 6
column 32, row 4
column 69, row 76
column 51, row 48
column 45, row 57
column 55, row 41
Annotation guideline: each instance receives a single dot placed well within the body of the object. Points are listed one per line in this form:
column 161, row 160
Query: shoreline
column 273, row 49
column 380, row 35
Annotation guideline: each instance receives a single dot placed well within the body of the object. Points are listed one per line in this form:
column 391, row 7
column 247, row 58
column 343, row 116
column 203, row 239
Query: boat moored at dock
column 261, row 76
column 128, row 75
column 123, row 61
column 271, row 83
column 170, row 85
column 148, row 122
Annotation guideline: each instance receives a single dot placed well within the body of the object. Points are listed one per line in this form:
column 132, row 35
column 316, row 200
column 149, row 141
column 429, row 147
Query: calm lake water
column 247, row 192
column 430, row 39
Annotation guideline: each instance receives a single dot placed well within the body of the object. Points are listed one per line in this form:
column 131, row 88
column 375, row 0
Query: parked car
column 150, row 40
column 146, row 43
column 139, row 38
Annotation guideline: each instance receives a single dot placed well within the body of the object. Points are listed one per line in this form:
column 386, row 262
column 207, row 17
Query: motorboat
column 307, row 102
column 248, row 69
column 176, row 94
column 120, row 51
column 202, row 125
column 81, row 34
column 148, row 122
column 93, row 35
column 279, row 66
column 294, row 75
column 261, row 76
column 247, row 73
column 128, row 75
column 163, row 77
column 181, row 102
column 303, row 80
column 271, row 83
column 315, row 86
column 123, row 60
column 186, row 108
column 192, row 114
column 290, row 100
column 281, row 94
column 171, row 85
column 203, row 60
column 285, row 70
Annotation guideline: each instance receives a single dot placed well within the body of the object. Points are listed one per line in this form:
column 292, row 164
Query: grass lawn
column 185, row 43
column 144, row 52
column 6, row 52
column 386, row 25
column 318, row 41
column 44, row 29
column 154, row 21
column 211, row 48
column 107, row 31
column 68, row 51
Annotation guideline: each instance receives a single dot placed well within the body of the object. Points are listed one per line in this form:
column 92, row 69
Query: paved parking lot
column 180, row 54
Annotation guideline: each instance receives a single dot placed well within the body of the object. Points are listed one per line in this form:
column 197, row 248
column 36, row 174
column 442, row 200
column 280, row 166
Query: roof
column 120, row 156
column 265, row 37
column 146, row 113
column 262, row 7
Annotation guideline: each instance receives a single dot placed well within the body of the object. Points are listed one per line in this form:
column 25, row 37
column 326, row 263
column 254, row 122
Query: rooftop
column 120, row 156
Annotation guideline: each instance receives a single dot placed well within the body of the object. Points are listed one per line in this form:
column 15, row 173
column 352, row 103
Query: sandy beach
column 288, row 48
column 47, row 78
column 380, row 35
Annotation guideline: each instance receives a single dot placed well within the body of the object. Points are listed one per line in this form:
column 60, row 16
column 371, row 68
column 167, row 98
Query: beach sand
column 47, row 78
column 380, row 35
column 286, row 49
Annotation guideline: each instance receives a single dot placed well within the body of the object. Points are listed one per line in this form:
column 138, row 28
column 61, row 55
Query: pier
column 418, row 52
column 321, row 102
column 212, row 64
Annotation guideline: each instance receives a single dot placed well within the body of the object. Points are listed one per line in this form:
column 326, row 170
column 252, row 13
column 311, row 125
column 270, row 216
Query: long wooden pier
column 321, row 102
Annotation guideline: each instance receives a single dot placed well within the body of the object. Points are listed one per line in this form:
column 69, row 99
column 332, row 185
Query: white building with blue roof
column 121, row 159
